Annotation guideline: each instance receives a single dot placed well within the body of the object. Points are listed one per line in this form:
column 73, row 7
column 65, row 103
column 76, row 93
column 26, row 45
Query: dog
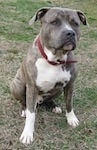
column 48, row 69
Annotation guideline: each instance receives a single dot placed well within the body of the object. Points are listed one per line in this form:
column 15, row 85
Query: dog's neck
column 52, row 59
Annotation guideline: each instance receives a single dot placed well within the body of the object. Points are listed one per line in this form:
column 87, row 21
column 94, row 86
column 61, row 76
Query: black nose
column 70, row 33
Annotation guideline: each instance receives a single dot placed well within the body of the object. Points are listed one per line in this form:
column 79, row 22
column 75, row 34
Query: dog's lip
column 67, row 46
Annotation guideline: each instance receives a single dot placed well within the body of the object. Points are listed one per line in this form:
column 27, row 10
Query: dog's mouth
column 67, row 46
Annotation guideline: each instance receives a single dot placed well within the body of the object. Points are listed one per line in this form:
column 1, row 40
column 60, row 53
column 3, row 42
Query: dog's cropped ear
column 82, row 17
column 39, row 14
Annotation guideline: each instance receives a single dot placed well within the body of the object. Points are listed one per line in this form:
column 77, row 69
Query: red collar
column 45, row 56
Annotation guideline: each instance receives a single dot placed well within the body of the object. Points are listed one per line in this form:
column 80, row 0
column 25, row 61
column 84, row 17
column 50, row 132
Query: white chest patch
column 48, row 75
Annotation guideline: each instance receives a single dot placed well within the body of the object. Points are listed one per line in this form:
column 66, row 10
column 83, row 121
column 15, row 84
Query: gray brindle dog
column 49, row 67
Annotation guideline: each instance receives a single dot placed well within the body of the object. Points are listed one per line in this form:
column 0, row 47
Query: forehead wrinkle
column 53, row 14
column 65, row 14
column 50, row 17
column 72, row 15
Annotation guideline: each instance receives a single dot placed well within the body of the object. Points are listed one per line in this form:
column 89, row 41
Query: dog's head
column 60, row 27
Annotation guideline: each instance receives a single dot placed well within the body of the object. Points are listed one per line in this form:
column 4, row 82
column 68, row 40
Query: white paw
column 26, row 137
column 72, row 119
column 23, row 114
column 27, row 134
column 57, row 110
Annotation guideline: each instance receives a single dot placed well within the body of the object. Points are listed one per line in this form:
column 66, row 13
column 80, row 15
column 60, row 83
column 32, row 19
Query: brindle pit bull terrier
column 49, row 67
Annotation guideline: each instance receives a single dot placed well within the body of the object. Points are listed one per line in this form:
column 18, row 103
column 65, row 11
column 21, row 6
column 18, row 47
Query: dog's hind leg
column 18, row 91
column 49, row 102
column 52, row 106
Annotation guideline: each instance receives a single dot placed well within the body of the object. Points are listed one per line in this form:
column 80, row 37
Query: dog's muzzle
column 68, row 41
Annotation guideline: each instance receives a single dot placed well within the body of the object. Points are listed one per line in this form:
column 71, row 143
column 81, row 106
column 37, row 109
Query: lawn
column 51, row 130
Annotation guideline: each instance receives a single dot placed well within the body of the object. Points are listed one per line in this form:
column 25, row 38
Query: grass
column 52, row 131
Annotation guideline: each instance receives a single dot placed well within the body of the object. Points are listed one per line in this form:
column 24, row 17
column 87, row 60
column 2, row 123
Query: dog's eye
column 74, row 23
column 55, row 22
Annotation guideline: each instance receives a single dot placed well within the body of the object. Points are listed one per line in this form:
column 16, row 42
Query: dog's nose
column 70, row 33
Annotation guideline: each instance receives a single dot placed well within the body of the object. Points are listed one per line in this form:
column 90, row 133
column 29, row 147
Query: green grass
column 51, row 130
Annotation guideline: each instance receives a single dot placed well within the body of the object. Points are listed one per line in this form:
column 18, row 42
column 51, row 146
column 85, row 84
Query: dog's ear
column 39, row 14
column 82, row 17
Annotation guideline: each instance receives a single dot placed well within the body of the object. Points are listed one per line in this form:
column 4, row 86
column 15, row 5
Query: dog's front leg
column 70, row 115
column 27, row 134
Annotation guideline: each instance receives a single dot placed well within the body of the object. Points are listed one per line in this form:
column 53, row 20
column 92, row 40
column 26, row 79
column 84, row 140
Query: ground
column 51, row 130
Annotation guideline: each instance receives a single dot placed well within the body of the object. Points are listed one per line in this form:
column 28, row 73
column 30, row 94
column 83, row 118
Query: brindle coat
column 53, row 34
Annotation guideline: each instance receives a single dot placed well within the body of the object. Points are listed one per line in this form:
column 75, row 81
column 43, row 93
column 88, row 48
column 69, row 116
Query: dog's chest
column 48, row 75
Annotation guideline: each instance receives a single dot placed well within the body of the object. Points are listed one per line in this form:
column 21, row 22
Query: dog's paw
column 57, row 110
column 23, row 113
column 26, row 137
column 72, row 119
